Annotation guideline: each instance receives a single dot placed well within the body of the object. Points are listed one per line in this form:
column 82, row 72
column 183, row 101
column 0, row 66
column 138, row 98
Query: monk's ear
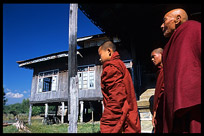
column 109, row 51
column 178, row 19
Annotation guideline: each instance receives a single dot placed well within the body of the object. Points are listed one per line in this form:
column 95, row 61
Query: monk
column 120, row 106
column 157, row 119
column 182, row 73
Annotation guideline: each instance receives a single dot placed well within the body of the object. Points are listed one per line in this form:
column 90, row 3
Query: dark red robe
column 158, row 101
column 182, row 79
column 120, row 104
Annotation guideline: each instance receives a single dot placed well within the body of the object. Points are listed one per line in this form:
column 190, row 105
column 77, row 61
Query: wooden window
column 54, row 83
column 40, row 83
column 91, row 84
column 80, row 79
column 85, row 79
column 48, row 81
column 86, row 76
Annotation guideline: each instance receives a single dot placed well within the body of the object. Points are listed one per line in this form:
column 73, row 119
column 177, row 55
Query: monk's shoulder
column 112, row 69
column 190, row 27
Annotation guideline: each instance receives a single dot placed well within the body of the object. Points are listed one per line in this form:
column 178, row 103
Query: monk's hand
column 153, row 121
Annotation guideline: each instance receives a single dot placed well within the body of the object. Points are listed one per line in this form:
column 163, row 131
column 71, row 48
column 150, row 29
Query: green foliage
column 4, row 99
column 37, row 110
column 51, row 109
column 15, row 109
column 25, row 106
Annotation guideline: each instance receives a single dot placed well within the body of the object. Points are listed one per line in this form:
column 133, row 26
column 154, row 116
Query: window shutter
column 40, row 84
column 54, row 83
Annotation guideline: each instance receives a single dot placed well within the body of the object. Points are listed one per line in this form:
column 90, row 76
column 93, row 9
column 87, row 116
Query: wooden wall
column 93, row 94
column 90, row 57
column 52, row 96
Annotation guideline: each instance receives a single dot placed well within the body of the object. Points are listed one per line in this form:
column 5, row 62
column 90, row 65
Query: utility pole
column 73, row 89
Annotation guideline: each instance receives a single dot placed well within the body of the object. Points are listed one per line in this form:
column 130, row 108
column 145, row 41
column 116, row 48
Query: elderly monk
column 182, row 73
column 120, row 106
column 157, row 119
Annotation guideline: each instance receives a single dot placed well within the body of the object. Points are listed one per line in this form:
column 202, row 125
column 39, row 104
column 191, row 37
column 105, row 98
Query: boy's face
column 105, row 55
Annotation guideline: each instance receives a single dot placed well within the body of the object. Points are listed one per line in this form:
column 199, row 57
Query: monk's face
column 156, row 58
column 169, row 24
column 104, row 55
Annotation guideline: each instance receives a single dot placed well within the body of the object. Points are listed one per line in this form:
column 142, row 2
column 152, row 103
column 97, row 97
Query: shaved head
column 178, row 12
column 108, row 44
column 106, row 50
column 156, row 56
column 172, row 20
column 158, row 50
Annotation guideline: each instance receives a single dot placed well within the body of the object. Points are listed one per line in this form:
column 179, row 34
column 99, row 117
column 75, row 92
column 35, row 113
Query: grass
column 10, row 129
column 88, row 128
column 38, row 127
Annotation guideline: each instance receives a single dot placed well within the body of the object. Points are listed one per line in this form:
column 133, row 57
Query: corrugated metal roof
column 45, row 58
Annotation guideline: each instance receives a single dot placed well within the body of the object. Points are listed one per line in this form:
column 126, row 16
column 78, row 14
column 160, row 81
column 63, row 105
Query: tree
column 15, row 109
column 4, row 99
column 25, row 106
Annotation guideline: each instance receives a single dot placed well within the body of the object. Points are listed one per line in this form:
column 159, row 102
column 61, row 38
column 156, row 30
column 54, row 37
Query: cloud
column 14, row 95
column 9, row 90
column 24, row 91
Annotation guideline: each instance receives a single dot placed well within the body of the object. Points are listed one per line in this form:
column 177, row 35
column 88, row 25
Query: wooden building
column 50, row 77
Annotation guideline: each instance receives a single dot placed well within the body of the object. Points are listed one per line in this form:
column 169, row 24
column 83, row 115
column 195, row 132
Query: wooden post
column 62, row 116
column 92, row 115
column 72, row 70
column 81, row 110
column 46, row 110
column 30, row 114
column 102, row 106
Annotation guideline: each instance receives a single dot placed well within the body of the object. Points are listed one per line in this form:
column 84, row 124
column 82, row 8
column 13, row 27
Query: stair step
column 147, row 94
column 145, row 116
column 143, row 104
column 146, row 126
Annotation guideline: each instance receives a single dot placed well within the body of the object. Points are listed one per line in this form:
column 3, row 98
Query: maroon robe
column 120, row 105
column 182, row 79
column 158, row 101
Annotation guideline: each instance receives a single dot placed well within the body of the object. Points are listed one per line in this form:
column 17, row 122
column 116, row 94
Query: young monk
column 157, row 119
column 120, row 106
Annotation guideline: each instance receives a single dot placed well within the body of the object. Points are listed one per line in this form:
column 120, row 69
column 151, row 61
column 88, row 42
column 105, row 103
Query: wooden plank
column 30, row 114
column 72, row 70
column 62, row 116
column 46, row 110
column 81, row 110
column 73, row 117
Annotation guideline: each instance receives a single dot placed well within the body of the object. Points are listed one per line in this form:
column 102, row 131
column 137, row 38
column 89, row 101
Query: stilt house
column 50, row 78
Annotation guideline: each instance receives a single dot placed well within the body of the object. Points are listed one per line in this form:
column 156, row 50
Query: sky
column 34, row 30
